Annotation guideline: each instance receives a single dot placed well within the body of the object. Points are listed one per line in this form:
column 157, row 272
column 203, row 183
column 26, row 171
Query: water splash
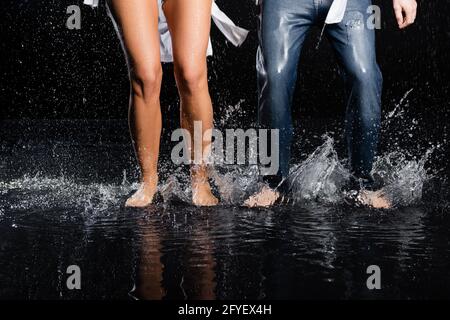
column 236, row 183
column 231, row 112
column 320, row 177
column 43, row 193
column 404, row 178
column 398, row 111
column 175, row 190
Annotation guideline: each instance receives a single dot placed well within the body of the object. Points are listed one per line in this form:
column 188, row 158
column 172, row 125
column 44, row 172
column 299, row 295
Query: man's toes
column 251, row 202
column 381, row 204
column 375, row 200
column 263, row 200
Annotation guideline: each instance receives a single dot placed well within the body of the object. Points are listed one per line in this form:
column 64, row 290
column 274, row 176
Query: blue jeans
column 283, row 27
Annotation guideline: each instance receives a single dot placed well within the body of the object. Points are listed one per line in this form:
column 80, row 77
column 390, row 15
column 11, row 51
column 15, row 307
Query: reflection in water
column 150, row 269
column 191, row 262
column 181, row 252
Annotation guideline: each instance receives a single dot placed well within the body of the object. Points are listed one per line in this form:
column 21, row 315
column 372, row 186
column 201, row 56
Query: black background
column 48, row 71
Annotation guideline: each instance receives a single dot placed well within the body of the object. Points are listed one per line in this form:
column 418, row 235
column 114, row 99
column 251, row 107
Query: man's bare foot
column 265, row 198
column 374, row 199
column 202, row 195
column 144, row 195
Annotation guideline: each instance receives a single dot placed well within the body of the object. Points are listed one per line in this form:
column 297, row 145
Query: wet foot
column 374, row 199
column 144, row 195
column 265, row 198
column 202, row 195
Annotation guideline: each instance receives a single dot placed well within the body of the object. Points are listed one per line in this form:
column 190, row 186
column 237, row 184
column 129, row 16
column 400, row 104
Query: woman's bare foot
column 374, row 199
column 265, row 198
column 144, row 195
column 202, row 195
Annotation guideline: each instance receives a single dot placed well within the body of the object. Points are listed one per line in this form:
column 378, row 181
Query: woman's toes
column 143, row 196
column 205, row 201
column 137, row 203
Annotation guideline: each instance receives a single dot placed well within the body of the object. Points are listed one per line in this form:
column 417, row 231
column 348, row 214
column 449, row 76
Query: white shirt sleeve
column 336, row 12
column 92, row 3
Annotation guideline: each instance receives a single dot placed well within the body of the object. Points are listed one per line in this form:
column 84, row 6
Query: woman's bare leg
column 150, row 269
column 138, row 22
column 189, row 24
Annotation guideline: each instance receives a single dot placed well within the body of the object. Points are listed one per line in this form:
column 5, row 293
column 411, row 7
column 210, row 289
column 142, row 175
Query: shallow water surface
column 62, row 188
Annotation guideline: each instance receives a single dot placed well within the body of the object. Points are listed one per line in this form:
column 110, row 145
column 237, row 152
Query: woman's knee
column 191, row 78
column 146, row 81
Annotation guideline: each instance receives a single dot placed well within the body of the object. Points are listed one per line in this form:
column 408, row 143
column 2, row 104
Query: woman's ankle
column 151, row 179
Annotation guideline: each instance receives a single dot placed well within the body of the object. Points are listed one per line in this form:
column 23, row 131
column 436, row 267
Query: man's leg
column 283, row 27
column 282, row 30
column 354, row 44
